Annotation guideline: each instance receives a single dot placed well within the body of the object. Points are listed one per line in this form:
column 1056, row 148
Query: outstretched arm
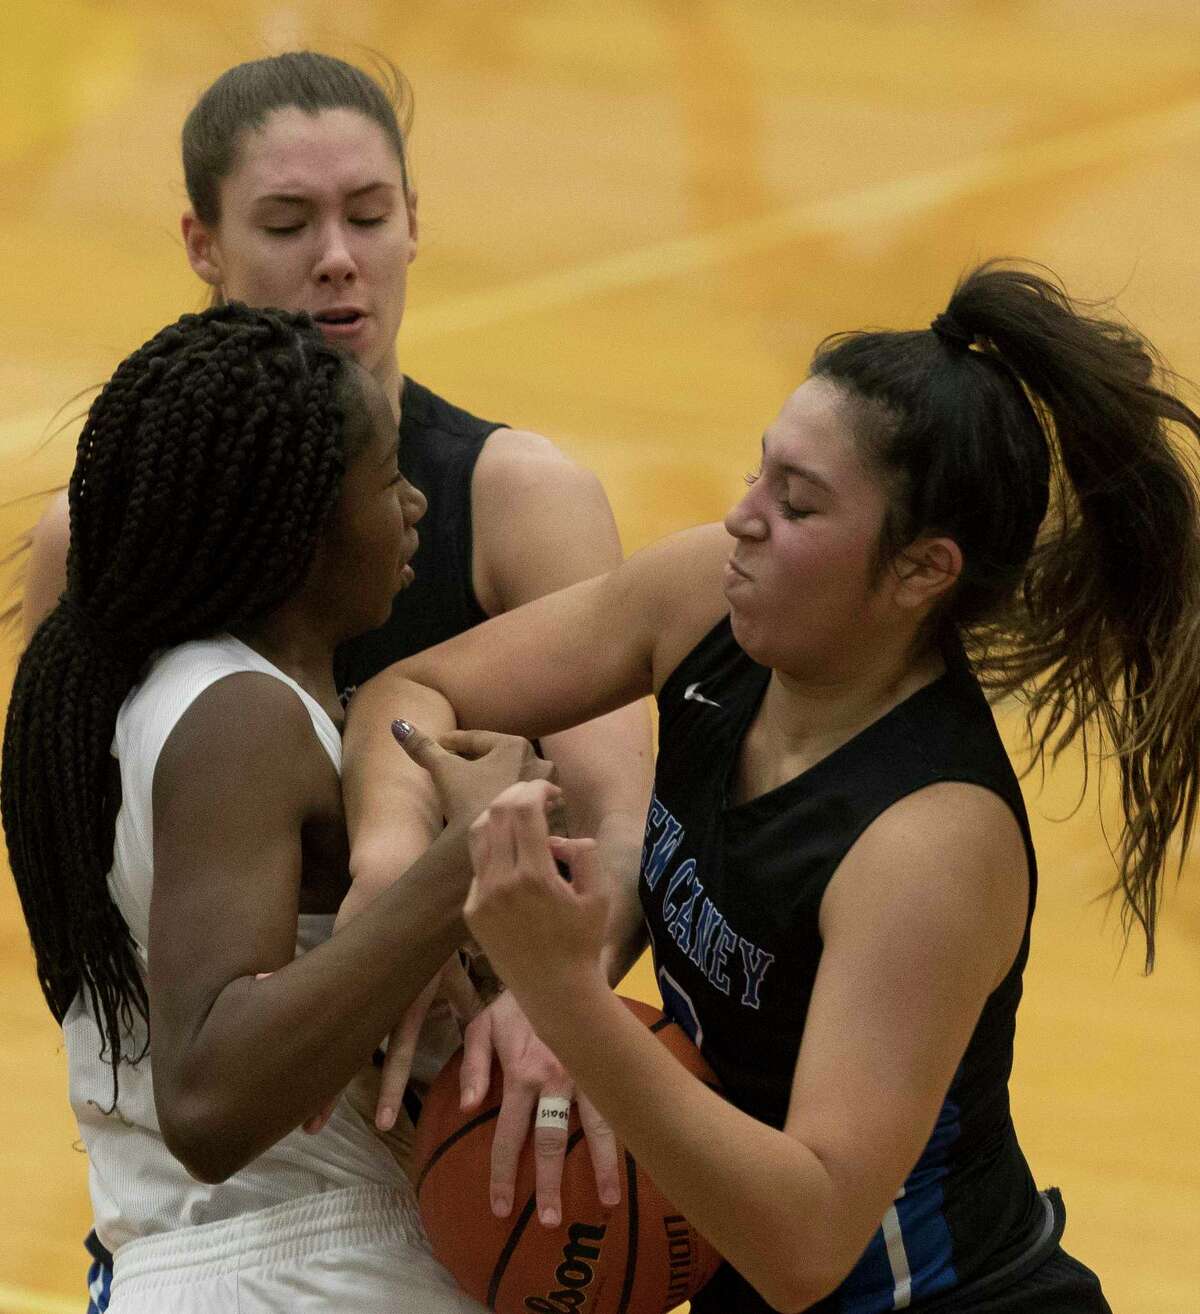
column 543, row 667
column 567, row 534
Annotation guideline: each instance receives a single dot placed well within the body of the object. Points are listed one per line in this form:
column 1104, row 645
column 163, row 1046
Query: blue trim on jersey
column 100, row 1274
column 911, row 1257
column 99, row 1284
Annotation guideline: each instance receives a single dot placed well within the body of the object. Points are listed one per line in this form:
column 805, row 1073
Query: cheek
column 263, row 275
column 832, row 570
column 385, row 534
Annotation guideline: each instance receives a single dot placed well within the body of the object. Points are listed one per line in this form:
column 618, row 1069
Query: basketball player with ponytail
column 838, row 876
column 174, row 820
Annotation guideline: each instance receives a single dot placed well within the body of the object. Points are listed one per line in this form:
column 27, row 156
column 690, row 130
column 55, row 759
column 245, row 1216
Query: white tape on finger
column 553, row 1111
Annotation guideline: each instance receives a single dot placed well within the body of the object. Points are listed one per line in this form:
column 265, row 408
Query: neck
column 297, row 645
column 805, row 717
column 390, row 379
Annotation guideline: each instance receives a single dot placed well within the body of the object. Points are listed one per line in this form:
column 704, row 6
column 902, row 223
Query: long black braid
column 204, row 474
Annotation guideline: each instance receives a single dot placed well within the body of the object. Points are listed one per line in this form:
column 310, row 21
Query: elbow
column 791, row 1295
column 375, row 864
column 202, row 1140
column 791, row 1283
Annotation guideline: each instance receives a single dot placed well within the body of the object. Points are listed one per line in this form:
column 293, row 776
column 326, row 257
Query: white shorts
column 359, row 1250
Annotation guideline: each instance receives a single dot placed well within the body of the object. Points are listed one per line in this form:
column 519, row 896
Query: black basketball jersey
column 732, row 893
column 439, row 445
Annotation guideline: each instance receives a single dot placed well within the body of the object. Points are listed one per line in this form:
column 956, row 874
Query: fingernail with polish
column 401, row 729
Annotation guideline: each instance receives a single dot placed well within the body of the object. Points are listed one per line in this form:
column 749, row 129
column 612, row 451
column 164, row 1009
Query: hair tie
column 952, row 332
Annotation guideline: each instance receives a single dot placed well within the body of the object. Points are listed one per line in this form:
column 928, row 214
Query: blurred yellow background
column 637, row 219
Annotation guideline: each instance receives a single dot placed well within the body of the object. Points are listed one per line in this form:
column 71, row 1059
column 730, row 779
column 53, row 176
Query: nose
column 743, row 519
column 335, row 263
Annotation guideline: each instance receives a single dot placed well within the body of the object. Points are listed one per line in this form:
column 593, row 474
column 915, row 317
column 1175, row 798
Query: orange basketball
column 638, row 1257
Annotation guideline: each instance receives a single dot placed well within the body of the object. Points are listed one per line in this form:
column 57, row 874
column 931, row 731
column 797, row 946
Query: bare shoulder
column 246, row 729
column 520, row 455
column 569, row 533
column 54, row 524
column 47, row 574
column 677, row 583
column 945, row 866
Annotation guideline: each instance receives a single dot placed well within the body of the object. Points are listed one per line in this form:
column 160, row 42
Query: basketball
column 638, row 1257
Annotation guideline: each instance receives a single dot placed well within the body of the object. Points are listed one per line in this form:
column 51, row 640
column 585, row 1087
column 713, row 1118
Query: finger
column 397, row 1065
column 602, row 1147
column 459, row 991
column 512, row 1127
column 538, row 768
column 318, row 1120
column 425, row 752
column 479, row 841
column 541, row 794
column 475, row 1075
column 470, row 743
column 564, row 848
column 558, row 819
column 588, row 874
column 530, row 833
column 491, row 843
column 549, row 1153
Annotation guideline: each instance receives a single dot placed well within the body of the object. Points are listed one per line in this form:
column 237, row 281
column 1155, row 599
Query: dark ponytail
column 204, row 474
column 1040, row 439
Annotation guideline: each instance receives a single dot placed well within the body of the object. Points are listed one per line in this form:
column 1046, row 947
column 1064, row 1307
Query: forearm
column 627, row 934
column 269, row 1052
column 761, row 1197
column 605, row 768
column 392, row 809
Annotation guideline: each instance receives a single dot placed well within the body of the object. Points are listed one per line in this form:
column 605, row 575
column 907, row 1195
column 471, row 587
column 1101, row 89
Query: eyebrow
column 801, row 472
column 291, row 198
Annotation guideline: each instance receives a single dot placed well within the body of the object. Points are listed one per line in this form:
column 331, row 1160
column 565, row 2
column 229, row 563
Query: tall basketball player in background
column 301, row 199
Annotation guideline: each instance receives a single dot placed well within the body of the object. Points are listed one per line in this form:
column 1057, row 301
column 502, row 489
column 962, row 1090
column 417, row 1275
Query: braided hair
column 204, row 474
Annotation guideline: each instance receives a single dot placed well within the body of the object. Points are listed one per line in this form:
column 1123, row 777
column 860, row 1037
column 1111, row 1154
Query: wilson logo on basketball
column 574, row 1275
column 681, row 1255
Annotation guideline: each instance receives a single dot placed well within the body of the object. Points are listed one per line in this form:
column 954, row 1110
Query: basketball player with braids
column 838, row 876
column 174, row 819
column 300, row 197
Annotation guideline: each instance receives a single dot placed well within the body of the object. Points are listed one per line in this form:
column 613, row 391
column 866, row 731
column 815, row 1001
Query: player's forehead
column 296, row 154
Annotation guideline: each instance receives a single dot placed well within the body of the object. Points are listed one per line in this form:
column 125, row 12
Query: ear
column 410, row 204
column 203, row 254
column 925, row 571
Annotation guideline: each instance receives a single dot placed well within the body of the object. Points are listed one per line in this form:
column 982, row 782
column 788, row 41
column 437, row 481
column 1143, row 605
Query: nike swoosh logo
column 692, row 696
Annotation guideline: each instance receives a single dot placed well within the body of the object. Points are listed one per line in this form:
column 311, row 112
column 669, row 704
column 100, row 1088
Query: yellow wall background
column 637, row 218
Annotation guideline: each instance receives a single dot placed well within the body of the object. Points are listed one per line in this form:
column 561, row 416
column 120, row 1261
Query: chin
column 755, row 640
column 744, row 633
